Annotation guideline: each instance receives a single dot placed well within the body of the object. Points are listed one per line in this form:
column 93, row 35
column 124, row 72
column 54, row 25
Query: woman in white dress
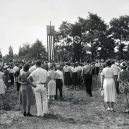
column 2, row 86
column 52, row 83
column 108, row 85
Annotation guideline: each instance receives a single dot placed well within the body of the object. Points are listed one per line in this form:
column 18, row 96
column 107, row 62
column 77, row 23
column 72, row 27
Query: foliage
column 0, row 55
column 94, row 34
column 63, row 42
column 119, row 28
column 119, row 31
column 36, row 51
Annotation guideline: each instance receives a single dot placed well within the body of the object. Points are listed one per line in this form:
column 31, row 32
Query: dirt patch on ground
column 76, row 111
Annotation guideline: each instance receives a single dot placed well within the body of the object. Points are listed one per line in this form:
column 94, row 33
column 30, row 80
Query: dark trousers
column 88, row 83
column 59, row 85
column 11, row 78
column 117, row 87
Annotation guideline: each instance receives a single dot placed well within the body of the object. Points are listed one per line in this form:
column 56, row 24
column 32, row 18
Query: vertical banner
column 76, row 33
column 50, row 42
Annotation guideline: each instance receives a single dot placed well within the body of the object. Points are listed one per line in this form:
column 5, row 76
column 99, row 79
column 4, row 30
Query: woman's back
column 108, row 72
column 52, row 74
column 24, row 76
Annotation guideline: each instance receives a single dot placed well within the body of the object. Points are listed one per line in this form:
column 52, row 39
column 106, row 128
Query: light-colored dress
column 2, row 84
column 109, row 85
column 52, row 83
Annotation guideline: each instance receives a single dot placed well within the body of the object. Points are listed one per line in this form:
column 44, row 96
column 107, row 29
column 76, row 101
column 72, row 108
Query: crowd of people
column 38, row 83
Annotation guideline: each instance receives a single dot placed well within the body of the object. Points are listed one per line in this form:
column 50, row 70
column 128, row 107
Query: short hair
column 58, row 67
column 113, row 62
column 88, row 61
column 26, row 67
column 108, row 62
column 38, row 63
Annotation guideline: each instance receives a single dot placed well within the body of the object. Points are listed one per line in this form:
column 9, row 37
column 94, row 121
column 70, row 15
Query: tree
column 63, row 41
column 106, row 48
column 119, row 28
column 121, row 54
column 93, row 29
column 10, row 54
column 24, row 51
column 38, row 51
column 127, row 52
column 119, row 31
column 0, row 56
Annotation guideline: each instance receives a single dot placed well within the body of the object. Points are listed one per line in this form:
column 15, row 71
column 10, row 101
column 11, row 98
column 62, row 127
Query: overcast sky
column 24, row 21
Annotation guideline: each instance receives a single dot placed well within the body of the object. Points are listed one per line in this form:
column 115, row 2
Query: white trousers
column 41, row 99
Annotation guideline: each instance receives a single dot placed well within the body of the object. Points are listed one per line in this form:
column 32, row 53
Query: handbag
column 101, row 92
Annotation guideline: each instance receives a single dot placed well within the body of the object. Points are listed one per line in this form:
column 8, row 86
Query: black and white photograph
column 64, row 64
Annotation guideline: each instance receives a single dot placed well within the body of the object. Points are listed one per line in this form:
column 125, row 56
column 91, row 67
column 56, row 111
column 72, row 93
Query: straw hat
column 123, row 65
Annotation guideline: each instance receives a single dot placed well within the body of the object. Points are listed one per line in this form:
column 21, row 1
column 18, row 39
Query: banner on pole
column 50, row 42
column 76, row 32
column 50, row 30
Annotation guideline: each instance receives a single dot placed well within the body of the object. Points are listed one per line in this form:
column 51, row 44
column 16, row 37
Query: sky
column 24, row 21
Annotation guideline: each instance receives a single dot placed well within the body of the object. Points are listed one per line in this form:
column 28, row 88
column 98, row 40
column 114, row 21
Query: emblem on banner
column 77, row 39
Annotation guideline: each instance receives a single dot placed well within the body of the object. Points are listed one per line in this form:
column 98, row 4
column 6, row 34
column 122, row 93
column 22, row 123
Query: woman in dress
column 108, row 85
column 2, row 87
column 52, row 83
column 123, row 79
column 75, row 78
column 26, row 92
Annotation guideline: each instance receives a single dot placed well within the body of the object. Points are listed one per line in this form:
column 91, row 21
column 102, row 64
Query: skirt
column 2, row 86
column 67, row 79
column 109, row 90
column 75, row 78
column 26, row 94
column 51, row 88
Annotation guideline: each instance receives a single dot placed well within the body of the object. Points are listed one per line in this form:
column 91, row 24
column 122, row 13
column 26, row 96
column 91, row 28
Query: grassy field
column 76, row 111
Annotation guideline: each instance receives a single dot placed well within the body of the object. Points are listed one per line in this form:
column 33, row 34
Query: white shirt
column 39, row 75
column 66, row 68
column 59, row 74
column 108, row 72
column 74, row 69
column 21, row 71
column 116, row 69
column 10, row 70
column 79, row 68
column 15, row 69
column 31, row 69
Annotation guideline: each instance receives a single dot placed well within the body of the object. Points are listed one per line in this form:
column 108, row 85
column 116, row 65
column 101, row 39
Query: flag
column 50, row 43
column 76, row 33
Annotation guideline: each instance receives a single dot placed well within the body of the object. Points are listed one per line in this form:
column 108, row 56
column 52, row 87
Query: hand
column 34, row 85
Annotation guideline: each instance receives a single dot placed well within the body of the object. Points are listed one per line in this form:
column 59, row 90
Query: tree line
column 97, row 37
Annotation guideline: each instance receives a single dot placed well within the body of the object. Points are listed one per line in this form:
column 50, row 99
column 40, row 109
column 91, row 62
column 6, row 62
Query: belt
column 108, row 77
column 41, row 83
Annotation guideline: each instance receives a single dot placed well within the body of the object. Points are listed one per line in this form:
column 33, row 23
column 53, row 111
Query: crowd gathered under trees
column 99, row 42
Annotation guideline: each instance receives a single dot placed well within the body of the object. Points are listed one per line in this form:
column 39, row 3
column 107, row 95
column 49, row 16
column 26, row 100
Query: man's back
column 39, row 75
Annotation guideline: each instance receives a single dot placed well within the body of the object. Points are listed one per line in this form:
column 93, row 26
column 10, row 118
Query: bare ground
column 76, row 111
